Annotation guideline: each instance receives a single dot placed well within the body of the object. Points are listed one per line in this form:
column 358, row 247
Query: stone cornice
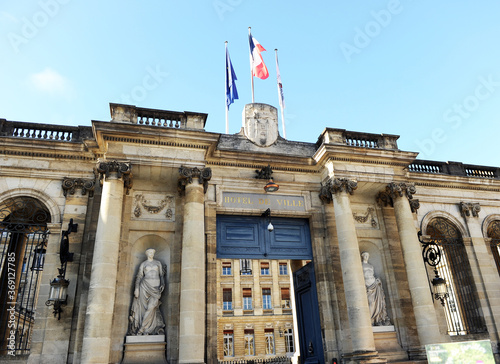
column 121, row 169
column 187, row 174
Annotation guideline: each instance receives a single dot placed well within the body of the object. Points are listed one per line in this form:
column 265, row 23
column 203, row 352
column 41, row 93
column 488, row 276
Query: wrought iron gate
column 23, row 239
column 462, row 308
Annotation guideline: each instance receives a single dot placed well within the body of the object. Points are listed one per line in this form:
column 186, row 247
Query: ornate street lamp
column 431, row 253
column 58, row 295
column 267, row 173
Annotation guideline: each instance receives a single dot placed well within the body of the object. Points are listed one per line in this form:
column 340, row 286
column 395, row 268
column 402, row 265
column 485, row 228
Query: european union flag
column 231, row 91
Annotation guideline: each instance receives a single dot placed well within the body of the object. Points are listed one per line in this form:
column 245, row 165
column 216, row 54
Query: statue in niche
column 375, row 294
column 145, row 316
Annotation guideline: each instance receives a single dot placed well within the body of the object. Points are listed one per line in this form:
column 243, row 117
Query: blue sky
column 427, row 71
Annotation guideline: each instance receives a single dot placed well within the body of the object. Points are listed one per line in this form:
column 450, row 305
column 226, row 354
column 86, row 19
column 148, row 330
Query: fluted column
column 115, row 177
column 193, row 183
column 338, row 190
column 400, row 196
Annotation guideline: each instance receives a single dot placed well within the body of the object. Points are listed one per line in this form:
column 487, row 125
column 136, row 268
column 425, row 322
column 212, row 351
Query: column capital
column 71, row 184
column 121, row 169
column 187, row 174
column 335, row 185
column 396, row 190
column 469, row 208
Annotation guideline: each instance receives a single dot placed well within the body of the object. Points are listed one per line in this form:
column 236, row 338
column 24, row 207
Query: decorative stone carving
column 122, row 169
column 370, row 212
column 394, row 190
column 468, row 208
column 145, row 316
column 187, row 174
column 71, row 184
column 261, row 124
column 264, row 173
column 336, row 185
column 374, row 293
column 153, row 206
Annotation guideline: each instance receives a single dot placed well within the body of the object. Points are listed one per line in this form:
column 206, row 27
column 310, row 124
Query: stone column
column 193, row 183
column 400, row 196
column 363, row 342
column 484, row 269
column 115, row 177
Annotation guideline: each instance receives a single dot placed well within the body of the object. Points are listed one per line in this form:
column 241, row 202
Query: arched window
column 462, row 306
column 23, row 237
column 493, row 232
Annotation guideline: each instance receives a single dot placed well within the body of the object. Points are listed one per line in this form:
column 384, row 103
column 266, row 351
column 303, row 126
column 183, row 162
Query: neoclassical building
column 224, row 214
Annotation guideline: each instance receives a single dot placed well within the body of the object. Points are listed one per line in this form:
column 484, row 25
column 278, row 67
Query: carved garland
column 71, row 184
column 122, row 170
column 364, row 218
column 187, row 174
column 140, row 200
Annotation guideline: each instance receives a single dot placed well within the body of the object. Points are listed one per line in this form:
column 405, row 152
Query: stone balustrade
column 130, row 114
column 454, row 169
column 61, row 133
column 358, row 139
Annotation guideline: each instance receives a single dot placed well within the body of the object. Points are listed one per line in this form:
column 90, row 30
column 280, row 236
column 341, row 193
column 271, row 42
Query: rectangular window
column 283, row 269
column 266, row 298
column 285, row 298
column 264, row 268
column 245, row 267
column 249, row 343
column 226, row 268
column 227, row 299
column 269, row 336
column 228, row 343
column 247, row 299
column 289, row 341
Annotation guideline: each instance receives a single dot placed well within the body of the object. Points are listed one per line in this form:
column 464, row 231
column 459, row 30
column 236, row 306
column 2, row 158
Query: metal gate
column 462, row 309
column 23, row 239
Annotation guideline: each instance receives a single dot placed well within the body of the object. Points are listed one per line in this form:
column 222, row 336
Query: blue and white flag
column 231, row 91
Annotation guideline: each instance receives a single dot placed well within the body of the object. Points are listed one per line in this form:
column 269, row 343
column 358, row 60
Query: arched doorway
column 23, row 239
column 462, row 306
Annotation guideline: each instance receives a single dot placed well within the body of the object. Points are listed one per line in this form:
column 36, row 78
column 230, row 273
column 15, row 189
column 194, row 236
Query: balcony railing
column 454, row 169
column 61, row 133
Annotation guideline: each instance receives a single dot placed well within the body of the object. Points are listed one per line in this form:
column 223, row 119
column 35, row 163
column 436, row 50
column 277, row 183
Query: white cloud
column 52, row 82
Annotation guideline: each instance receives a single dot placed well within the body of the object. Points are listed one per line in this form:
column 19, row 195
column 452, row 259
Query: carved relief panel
column 153, row 206
column 365, row 216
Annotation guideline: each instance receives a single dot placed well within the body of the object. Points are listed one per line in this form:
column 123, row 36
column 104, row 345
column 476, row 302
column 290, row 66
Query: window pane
column 269, row 335
column 283, row 269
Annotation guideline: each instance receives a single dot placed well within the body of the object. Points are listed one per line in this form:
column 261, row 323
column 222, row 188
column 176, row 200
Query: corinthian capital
column 397, row 190
column 121, row 169
column 336, row 185
column 186, row 176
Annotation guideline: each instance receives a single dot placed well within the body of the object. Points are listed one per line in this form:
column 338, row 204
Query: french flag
column 259, row 69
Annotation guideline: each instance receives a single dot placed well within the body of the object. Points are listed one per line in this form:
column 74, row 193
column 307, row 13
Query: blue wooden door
column 306, row 303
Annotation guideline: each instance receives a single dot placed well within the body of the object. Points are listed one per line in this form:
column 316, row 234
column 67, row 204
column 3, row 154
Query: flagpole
column 251, row 63
column 279, row 94
column 225, row 98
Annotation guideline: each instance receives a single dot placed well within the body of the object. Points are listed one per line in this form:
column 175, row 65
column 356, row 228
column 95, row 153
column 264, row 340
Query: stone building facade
column 157, row 179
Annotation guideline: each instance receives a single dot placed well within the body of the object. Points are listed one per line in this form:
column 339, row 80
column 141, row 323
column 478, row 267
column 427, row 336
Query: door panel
column 306, row 298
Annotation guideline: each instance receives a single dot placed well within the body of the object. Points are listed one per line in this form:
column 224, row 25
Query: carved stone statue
column 145, row 316
column 375, row 294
